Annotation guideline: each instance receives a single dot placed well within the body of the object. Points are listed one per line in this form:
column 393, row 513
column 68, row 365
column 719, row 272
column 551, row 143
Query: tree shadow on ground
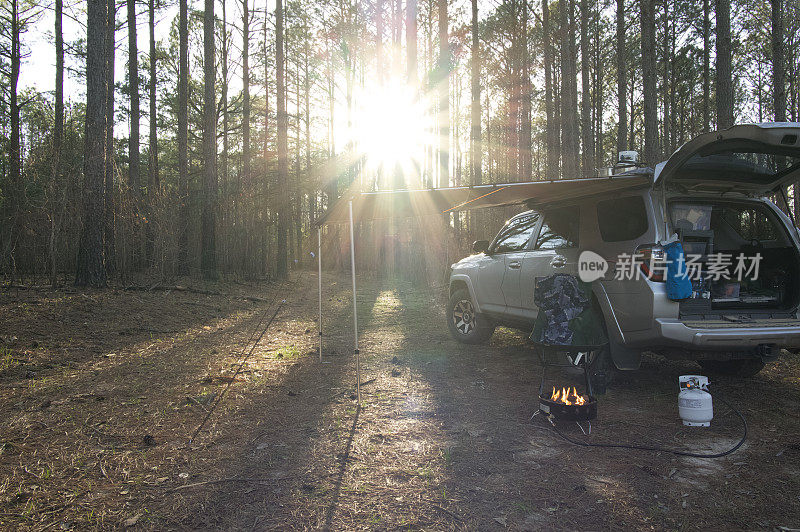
column 61, row 331
column 272, row 435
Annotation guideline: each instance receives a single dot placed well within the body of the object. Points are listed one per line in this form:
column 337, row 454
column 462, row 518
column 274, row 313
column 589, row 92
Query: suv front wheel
column 466, row 325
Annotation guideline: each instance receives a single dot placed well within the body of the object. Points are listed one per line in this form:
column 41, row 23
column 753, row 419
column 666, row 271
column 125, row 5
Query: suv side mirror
column 480, row 246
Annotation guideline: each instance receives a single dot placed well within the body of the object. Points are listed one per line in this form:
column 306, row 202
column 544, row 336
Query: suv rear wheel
column 746, row 367
column 466, row 325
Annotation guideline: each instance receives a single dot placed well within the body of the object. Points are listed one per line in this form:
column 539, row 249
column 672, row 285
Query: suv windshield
column 516, row 234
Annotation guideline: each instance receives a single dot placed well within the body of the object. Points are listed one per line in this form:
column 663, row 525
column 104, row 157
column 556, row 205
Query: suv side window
column 560, row 229
column 622, row 219
column 515, row 235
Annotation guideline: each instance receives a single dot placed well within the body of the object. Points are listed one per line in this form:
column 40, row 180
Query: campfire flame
column 567, row 396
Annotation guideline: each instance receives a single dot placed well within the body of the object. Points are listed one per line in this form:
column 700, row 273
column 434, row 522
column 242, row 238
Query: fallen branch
column 176, row 288
column 190, row 290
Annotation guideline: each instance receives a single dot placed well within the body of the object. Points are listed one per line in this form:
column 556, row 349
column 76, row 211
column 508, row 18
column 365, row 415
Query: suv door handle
column 559, row 261
column 515, row 265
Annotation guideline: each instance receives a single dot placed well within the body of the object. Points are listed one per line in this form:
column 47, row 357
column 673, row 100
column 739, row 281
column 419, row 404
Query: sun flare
column 390, row 130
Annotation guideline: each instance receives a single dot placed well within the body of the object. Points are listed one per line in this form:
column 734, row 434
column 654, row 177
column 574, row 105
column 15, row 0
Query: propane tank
column 694, row 402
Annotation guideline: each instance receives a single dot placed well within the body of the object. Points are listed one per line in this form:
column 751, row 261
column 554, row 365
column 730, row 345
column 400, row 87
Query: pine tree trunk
column 569, row 112
column 231, row 201
column 413, row 178
column 183, row 138
column 90, row 270
column 17, row 188
column 58, row 135
column 332, row 192
column 312, row 200
column 598, row 89
column 208, row 254
column 706, row 65
column 575, row 146
column 673, row 90
column 622, row 82
column 778, row 77
column 282, row 148
column 133, row 82
column 15, row 153
column 512, row 120
column 724, row 69
column 379, row 65
column 246, row 95
column 475, row 148
column 296, row 185
column 153, row 183
column 266, row 205
column 665, row 77
column 110, row 248
column 247, row 235
column 650, row 155
column 551, row 127
column 525, row 94
column 587, row 148
column 631, row 105
column 444, row 96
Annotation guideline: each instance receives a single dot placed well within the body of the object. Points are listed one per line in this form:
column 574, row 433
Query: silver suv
column 711, row 194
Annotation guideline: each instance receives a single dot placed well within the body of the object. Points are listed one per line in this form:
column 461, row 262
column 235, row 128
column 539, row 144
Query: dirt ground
column 101, row 391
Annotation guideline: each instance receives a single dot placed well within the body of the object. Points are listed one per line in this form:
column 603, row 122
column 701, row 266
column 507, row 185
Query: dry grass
column 442, row 441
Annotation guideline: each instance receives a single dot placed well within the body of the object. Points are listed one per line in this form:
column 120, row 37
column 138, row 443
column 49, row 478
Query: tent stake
column 319, row 262
column 355, row 309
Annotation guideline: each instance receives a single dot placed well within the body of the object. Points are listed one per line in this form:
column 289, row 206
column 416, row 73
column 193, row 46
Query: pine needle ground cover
column 100, row 392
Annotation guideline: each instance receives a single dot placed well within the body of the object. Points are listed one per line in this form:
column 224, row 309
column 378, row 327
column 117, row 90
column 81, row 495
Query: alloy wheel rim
column 464, row 316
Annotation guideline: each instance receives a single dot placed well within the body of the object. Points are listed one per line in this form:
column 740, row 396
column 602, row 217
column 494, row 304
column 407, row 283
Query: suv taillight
column 652, row 262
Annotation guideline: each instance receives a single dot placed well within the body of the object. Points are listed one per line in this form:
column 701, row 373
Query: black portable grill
column 567, row 356
column 563, row 412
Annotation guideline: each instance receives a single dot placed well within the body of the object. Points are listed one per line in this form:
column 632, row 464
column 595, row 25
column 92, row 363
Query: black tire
column 602, row 371
column 466, row 325
column 746, row 367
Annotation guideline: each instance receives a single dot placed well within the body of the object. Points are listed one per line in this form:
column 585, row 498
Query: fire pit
column 567, row 404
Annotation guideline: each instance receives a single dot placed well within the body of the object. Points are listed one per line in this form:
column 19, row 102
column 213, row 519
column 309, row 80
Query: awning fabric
column 415, row 203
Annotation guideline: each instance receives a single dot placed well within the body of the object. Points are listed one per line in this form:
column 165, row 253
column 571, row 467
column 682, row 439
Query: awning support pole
column 355, row 308
column 319, row 262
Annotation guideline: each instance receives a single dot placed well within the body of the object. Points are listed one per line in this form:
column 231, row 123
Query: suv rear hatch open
column 741, row 256
column 754, row 159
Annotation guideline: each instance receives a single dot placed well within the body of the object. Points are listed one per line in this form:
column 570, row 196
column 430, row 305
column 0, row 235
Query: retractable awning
column 425, row 202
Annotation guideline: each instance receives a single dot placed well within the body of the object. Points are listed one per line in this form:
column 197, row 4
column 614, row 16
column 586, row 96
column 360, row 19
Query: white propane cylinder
column 695, row 405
